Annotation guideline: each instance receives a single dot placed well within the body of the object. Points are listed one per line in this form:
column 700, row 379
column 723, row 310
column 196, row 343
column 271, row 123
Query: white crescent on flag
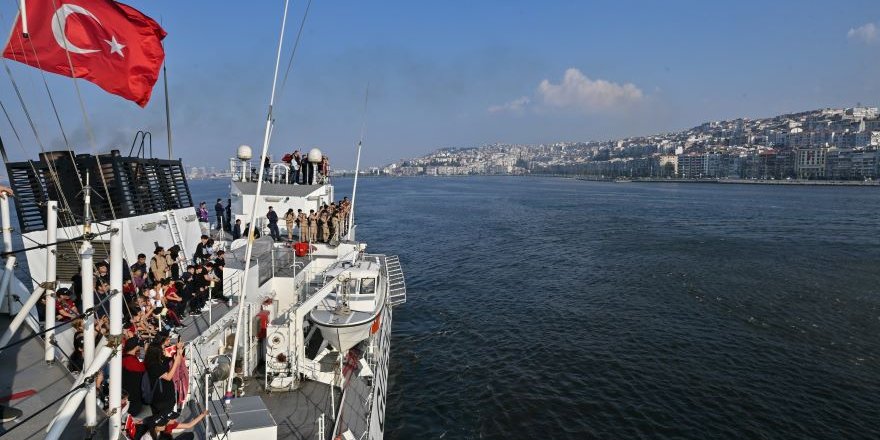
column 59, row 26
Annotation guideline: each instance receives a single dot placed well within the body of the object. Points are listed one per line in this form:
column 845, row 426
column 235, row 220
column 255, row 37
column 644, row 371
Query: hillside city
column 827, row 144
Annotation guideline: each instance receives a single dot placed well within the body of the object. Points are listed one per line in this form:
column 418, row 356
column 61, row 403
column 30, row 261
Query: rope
column 88, row 312
column 88, row 382
column 43, row 246
column 302, row 25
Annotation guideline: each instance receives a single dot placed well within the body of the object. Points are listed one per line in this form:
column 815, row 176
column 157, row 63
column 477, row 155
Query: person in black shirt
column 201, row 254
column 272, row 216
column 218, row 210
column 228, row 220
column 236, row 230
column 162, row 363
column 133, row 370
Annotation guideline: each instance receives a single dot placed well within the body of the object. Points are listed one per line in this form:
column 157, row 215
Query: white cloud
column 867, row 33
column 577, row 91
column 518, row 105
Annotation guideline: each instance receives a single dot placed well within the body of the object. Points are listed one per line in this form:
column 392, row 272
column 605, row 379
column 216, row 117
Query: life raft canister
column 375, row 327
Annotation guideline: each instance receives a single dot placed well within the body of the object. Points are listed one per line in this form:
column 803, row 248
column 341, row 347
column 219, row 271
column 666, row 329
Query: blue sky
column 464, row 73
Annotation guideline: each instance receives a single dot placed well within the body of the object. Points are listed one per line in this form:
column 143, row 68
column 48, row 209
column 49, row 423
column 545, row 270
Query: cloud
column 576, row 92
column 518, row 105
column 867, row 33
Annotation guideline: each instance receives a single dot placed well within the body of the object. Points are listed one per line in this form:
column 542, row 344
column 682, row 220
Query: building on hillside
column 810, row 163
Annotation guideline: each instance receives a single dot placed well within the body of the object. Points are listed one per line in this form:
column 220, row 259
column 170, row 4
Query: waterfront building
column 810, row 163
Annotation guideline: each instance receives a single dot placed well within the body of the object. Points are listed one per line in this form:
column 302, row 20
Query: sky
column 459, row 74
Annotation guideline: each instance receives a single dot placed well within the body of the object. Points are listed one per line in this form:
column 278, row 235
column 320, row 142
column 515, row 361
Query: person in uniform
column 325, row 226
column 313, row 226
column 302, row 223
column 335, row 222
column 289, row 219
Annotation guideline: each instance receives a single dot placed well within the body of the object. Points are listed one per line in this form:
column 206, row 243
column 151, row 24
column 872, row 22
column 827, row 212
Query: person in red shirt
column 132, row 374
column 173, row 426
column 65, row 308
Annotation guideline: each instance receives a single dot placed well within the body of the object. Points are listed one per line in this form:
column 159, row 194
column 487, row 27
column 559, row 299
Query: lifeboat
column 347, row 315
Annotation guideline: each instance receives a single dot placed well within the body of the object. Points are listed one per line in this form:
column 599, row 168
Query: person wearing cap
column 65, row 309
column 133, row 370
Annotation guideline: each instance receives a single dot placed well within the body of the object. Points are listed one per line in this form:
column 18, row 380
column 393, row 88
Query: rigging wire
column 90, row 311
column 302, row 25
column 88, row 382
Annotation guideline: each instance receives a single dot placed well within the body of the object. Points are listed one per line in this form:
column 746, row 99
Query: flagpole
column 250, row 238
column 24, row 23
column 167, row 109
column 357, row 164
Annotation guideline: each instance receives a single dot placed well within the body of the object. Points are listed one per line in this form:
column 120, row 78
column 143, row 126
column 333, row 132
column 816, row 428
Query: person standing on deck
column 218, row 210
column 295, row 166
column 236, row 230
column 303, row 221
column 335, row 224
column 313, row 226
column 228, row 220
column 325, row 226
column 204, row 222
column 272, row 216
column 290, row 220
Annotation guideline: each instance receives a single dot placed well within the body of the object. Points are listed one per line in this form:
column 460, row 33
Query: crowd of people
column 157, row 295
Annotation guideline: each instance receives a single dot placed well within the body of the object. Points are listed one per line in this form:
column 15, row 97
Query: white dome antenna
column 315, row 155
column 245, row 152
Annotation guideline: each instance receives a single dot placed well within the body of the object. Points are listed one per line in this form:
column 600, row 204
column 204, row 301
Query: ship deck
column 29, row 384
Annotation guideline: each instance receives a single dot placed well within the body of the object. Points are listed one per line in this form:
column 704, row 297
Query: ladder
column 396, row 282
column 175, row 233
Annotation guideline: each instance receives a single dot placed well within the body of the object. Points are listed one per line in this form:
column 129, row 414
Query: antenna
column 357, row 164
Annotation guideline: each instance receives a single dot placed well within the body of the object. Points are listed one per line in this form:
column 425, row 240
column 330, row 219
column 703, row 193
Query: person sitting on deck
column 170, row 426
column 159, row 265
column 202, row 253
column 65, row 309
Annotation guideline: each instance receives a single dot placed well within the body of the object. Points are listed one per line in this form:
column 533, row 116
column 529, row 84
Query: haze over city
column 458, row 74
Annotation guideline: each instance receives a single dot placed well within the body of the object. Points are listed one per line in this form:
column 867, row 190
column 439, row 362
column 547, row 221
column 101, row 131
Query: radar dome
column 244, row 152
column 315, row 155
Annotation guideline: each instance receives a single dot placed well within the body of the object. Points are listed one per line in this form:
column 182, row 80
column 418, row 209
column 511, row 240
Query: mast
column 357, row 164
column 250, row 239
column 167, row 110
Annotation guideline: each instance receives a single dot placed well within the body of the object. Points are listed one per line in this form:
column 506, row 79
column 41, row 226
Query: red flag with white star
column 110, row 44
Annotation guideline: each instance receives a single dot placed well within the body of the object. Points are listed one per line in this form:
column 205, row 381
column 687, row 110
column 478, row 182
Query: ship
column 299, row 346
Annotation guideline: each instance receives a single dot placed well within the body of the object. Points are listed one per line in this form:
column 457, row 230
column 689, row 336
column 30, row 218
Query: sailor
column 303, row 221
column 323, row 226
column 272, row 216
column 290, row 219
column 313, row 226
column 335, row 222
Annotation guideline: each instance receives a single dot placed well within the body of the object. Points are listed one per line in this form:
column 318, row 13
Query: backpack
column 147, row 390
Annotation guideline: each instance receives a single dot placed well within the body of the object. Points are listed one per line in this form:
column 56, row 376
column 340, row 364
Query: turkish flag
column 108, row 43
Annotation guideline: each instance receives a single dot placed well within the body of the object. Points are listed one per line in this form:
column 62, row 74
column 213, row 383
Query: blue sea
column 554, row 308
